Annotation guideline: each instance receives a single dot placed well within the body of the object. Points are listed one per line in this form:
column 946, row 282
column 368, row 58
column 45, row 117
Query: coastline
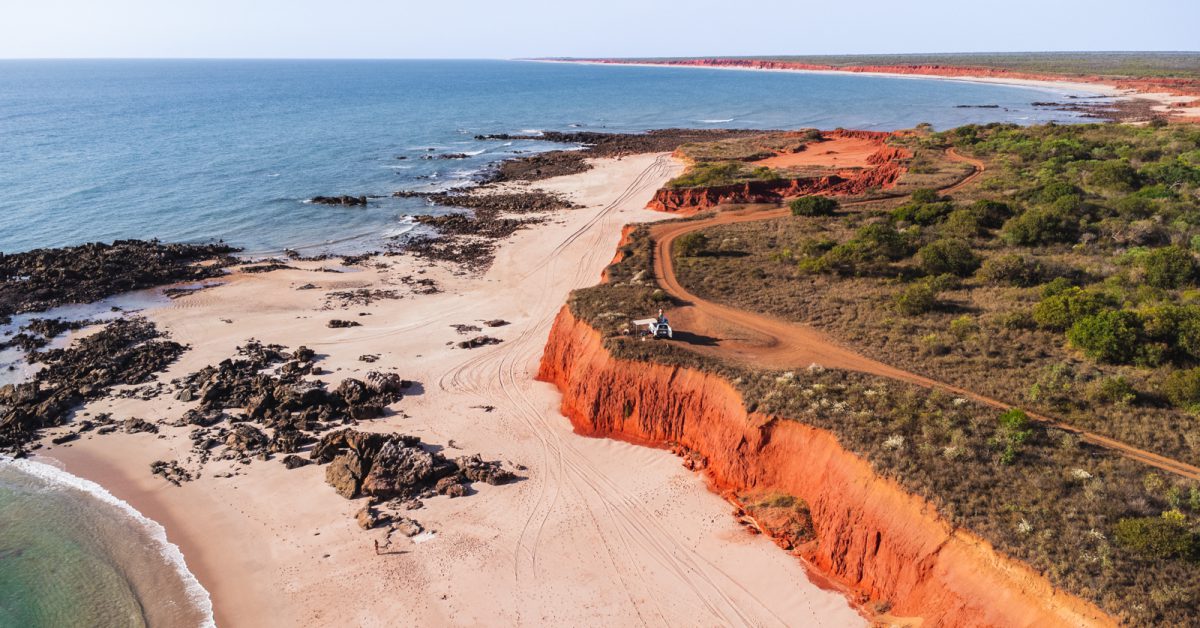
column 279, row 547
column 1172, row 104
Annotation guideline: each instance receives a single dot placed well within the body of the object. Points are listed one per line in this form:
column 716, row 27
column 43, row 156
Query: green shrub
column 1168, row 536
column 1060, row 310
column 691, row 244
column 1011, row 269
column 948, row 256
column 1169, row 267
column 963, row 326
column 882, row 241
column 925, row 195
column 1042, row 225
column 1182, row 388
column 1116, row 390
column 991, row 214
column 1110, row 336
column 963, row 223
column 813, row 206
column 1114, row 175
column 1012, row 432
column 708, row 174
column 917, row 299
column 1056, row 286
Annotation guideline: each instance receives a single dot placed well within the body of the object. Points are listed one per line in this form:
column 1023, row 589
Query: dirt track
column 764, row 341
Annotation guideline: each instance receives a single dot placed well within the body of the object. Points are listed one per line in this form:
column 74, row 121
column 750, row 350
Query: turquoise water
column 71, row 555
column 199, row 150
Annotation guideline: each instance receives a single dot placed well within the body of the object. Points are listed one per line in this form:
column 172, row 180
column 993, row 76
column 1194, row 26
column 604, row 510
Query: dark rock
column 246, row 438
column 339, row 324
column 65, row 438
column 476, row 469
column 126, row 352
column 478, row 341
column 451, row 487
column 294, row 462
column 344, row 200
column 44, row 278
column 134, row 425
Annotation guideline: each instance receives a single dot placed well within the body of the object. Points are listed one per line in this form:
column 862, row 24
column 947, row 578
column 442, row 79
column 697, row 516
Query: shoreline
column 1166, row 103
column 576, row 541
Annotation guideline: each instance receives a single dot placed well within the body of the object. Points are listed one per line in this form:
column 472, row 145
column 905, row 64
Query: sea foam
column 56, row 477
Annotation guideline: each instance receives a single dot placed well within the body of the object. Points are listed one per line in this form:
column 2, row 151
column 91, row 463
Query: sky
column 614, row 28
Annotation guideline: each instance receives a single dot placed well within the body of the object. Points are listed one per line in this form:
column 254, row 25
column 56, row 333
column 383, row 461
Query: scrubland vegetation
column 1063, row 281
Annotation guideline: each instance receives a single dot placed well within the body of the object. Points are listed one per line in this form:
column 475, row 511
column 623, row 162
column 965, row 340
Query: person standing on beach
column 376, row 547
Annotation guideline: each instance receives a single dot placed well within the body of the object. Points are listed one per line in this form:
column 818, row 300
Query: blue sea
column 206, row 150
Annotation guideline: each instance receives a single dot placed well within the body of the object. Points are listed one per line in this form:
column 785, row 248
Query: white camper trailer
column 657, row 327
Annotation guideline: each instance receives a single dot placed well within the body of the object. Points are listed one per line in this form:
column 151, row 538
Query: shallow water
column 73, row 555
column 201, row 150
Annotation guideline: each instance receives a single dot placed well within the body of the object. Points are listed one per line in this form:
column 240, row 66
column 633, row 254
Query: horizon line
column 540, row 58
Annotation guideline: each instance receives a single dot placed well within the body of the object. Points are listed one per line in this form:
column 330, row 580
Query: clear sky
column 526, row 28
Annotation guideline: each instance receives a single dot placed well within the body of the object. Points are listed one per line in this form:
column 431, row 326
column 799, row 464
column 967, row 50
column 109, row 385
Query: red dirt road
column 764, row 341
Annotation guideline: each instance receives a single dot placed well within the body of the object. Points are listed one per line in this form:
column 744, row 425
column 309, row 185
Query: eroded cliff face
column 875, row 539
column 887, row 168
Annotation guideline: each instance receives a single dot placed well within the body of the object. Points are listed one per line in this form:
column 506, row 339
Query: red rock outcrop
column 887, row 162
column 873, row 537
column 691, row 200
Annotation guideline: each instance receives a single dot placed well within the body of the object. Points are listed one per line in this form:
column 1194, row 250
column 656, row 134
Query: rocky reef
column 40, row 279
column 127, row 351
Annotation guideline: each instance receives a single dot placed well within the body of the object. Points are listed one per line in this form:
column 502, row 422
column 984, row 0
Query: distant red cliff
column 1169, row 85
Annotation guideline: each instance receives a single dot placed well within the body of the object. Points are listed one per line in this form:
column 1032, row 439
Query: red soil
column 855, row 150
column 873, row 537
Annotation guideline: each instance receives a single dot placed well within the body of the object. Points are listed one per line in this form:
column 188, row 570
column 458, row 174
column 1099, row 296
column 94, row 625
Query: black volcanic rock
column 44, row 278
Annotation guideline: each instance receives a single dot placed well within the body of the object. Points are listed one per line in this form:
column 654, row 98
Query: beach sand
column 598, row 532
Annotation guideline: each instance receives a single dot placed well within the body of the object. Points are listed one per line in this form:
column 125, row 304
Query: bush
column 707, row 174
column 1169, row 267
column 1182, row 388
column 1060, row 310
column 691, row 244
column 1042, row 225
column 991, row 214
column 1168, row 536
column 1013, row 269
column 1114, row 175
column 1110, row 336
column 1012, row 432
column 813, row 206
column 881, row 241
column 917, row 299
column 1116, row 390
column 954, row 257
column 925, row 195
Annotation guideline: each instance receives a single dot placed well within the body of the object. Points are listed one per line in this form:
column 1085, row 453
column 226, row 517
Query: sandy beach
column 1180, row 106
column 597, row 532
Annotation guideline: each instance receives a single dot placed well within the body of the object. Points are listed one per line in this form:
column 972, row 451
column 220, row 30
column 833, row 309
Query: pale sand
column 1164, row 102
column 600, row 533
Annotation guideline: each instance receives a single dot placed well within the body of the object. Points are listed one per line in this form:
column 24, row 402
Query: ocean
column 72, row 555
column 205, row 150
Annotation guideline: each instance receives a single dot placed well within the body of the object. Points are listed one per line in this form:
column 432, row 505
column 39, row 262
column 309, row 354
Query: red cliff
column 873, row 537
column 690, row 200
